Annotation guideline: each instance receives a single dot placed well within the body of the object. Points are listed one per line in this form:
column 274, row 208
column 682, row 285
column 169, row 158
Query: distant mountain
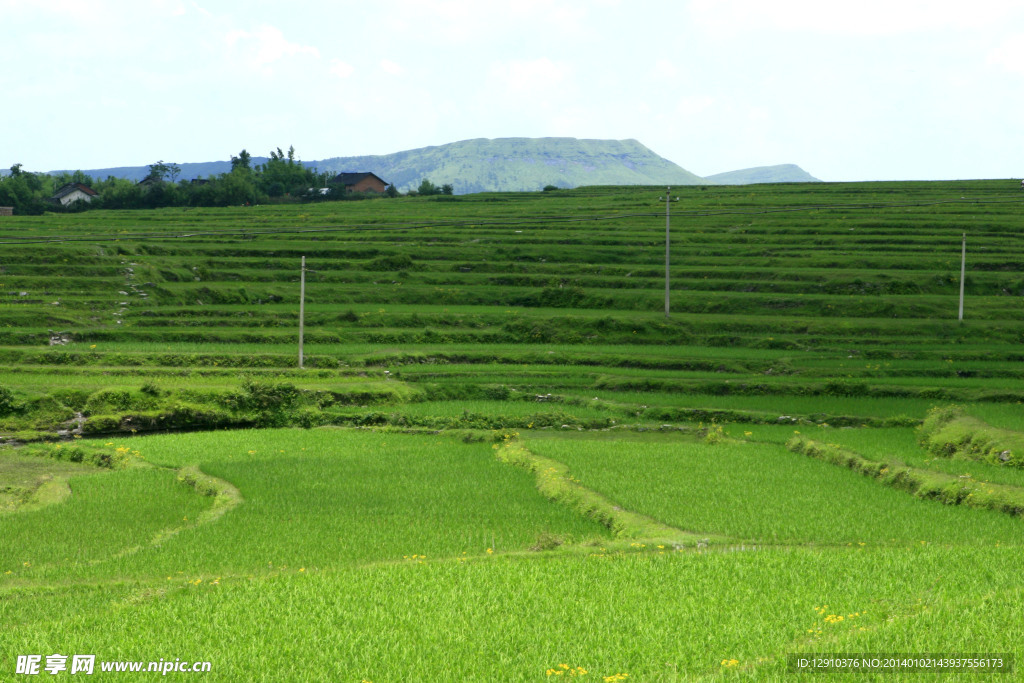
column 503, row 165
column 784, row 173
column 508, row 165
column 517, row 164
column 188, row 170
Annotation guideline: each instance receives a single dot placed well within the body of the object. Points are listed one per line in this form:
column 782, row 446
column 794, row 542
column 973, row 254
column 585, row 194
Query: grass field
column 501, row 460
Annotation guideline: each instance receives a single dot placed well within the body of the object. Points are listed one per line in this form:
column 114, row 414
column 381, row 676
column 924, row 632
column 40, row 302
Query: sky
column 849, row 91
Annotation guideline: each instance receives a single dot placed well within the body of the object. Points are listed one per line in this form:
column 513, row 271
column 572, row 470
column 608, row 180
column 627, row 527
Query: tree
column 236, row 187
column 283, row 174
column 26, row 192
column 162, row 171
column 241, row 161
column 428, row 188
column 81, row 177
column 448, row 189
column 280, row 156
column 119, row 193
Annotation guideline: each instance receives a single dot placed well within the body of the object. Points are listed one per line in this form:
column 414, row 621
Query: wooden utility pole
column 302, row 307
column 963, row 271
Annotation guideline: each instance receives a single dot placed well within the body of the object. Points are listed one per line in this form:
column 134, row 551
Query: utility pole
column 963, row 271
column 668, row 199
column 302, row 307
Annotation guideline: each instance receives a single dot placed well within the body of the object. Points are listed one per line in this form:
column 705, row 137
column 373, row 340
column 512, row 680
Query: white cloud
column 864, row 17
column 341, row 69
column 59, row 9
column 1009, row 55
column 174, row 8
column 266, row 45
column 392, row 68
column 474, row 22
column 526, row 77
column 665, row 68
column 692, row 105
column 759, row 114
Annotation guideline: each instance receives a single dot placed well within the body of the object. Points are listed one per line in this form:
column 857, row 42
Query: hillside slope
column 783, row 173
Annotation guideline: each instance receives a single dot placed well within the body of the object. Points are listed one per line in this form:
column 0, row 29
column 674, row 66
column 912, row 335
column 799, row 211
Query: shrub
column 547, row 541
column 74, row 399
column 101, row 424
column 498, row 393
column 108, row 400
column 7, row 402
column 46, row 411
column 267, row 396
column 391, row 262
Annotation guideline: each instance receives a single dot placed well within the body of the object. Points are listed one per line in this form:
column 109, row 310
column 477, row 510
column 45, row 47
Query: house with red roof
column 73, row 192
column 360, row 182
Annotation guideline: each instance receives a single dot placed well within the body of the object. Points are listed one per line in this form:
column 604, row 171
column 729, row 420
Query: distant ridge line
column 505, row 165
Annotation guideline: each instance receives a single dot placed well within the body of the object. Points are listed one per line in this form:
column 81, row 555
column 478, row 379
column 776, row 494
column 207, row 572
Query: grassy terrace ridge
column 501, row 460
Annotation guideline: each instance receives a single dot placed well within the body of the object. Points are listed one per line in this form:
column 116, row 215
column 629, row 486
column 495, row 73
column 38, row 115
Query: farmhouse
column 73, row 192
column 360, row 182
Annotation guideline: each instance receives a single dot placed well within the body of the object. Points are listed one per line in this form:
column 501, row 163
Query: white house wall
column 74, row 197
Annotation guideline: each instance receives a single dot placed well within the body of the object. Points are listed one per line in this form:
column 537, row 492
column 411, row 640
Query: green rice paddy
column 501, row 460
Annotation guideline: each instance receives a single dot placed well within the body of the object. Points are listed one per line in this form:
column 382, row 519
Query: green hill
column 483, row 165
column 518, row 164
column 511, row 165
column 783, row 173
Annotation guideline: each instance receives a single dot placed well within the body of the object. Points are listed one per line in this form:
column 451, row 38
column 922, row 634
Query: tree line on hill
column 282, row 179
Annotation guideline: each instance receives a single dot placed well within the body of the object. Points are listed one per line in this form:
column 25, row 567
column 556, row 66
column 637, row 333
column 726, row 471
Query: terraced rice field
column 501, row 460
